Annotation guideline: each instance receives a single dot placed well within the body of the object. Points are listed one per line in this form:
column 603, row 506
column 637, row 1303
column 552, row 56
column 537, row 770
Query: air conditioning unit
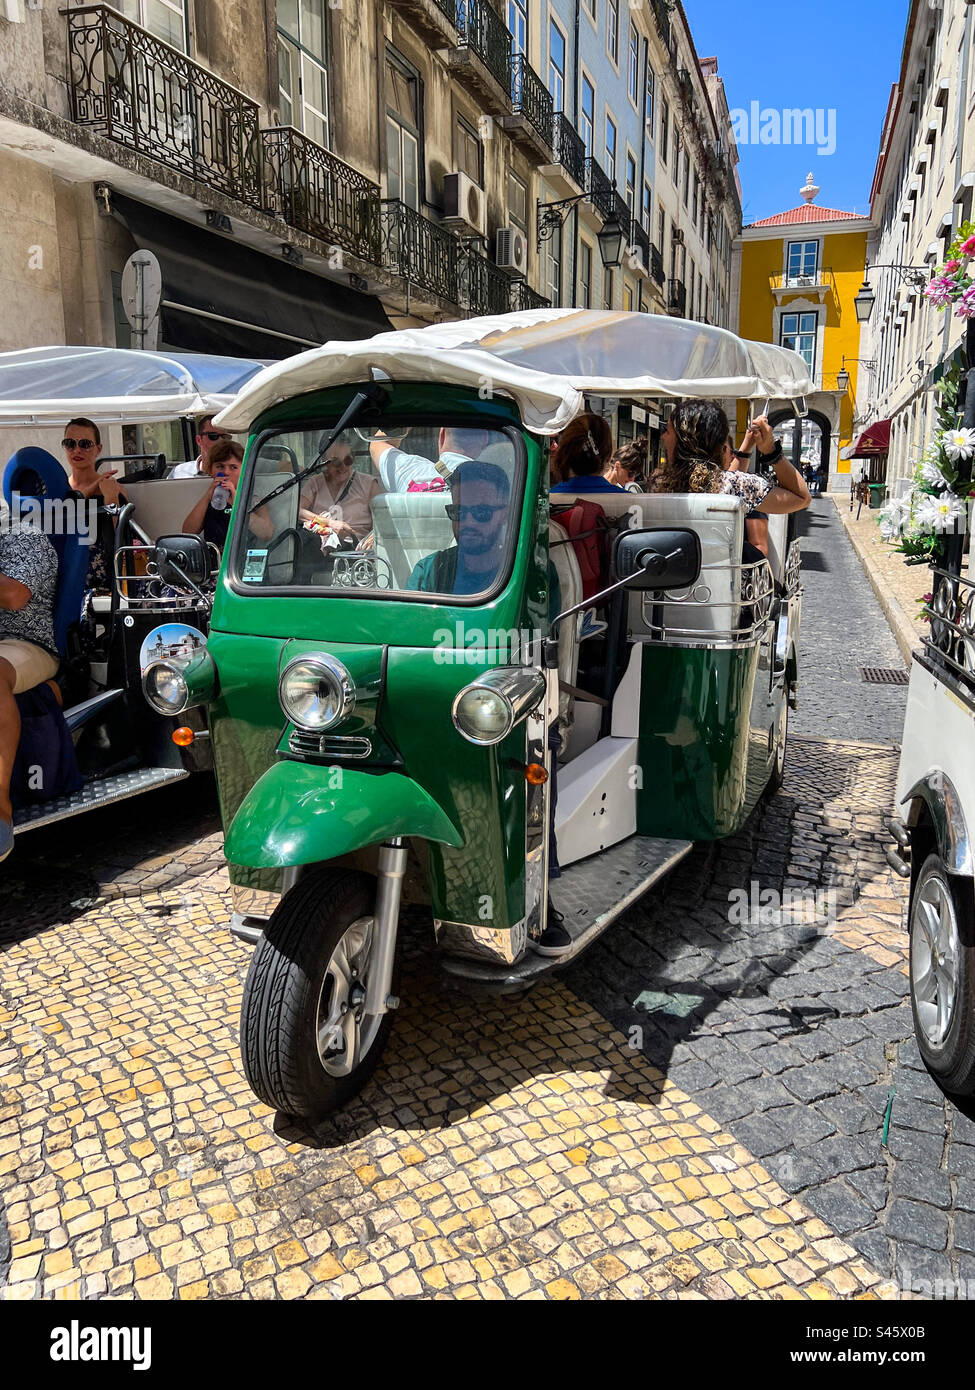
column 463, row 204
column 511, row 251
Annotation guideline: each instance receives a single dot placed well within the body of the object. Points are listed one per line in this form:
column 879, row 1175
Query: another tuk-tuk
column 934, row 818
column 389, row 722
column 157, row 606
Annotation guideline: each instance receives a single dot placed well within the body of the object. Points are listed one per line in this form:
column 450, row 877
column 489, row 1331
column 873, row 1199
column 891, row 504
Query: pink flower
column 952, row 266
column 968, row 247
column 966, row 305
column 940, row 292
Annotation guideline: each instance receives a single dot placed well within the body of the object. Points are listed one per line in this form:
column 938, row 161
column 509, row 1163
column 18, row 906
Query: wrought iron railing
column 483, row 31
column 484, row 289
column 813, row 280
column 129, row 86
column 524, row 297
column 640, row 244
column 320, row 194
column 449, row 8
column 531, row 98
column 570, row 149
column 599, row 186
column 657, row 265
column 619, row 208
column 423, row 252
column 677, row 297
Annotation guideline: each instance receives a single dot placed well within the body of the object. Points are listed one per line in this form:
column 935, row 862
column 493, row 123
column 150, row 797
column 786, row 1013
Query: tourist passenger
column 581, row 453
column 223, row 465
column 402, row 472
column 82, row 444
column 628, row 464
column 338, row 501
column 206, row 438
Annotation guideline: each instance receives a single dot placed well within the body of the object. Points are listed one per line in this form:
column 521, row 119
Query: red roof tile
column 807, row 212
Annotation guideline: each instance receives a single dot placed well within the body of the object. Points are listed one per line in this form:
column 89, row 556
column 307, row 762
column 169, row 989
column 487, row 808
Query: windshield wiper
column 375, row 396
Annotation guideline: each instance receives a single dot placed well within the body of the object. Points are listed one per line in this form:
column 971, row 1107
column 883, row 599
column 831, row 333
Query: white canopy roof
column 547, row 359
column 47, row 385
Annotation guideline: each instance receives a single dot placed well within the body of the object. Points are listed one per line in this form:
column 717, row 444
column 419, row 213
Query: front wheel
column 777, row 776
column 307, row 1044
column 942, row 966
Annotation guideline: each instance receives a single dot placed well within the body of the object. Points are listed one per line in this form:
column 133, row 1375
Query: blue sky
column 852, row 56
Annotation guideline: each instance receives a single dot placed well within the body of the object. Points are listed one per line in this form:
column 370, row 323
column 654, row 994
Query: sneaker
column 6, row 839
column 555, row 940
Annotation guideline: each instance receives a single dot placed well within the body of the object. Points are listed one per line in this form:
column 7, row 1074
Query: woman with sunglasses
column 338, row 501
column 82, row 445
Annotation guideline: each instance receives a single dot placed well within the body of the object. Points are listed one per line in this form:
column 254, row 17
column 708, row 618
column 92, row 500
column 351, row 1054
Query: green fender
column 296, row 814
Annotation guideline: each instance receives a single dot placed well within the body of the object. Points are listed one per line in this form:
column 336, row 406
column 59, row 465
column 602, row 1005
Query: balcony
column 620, row 209
column 481, row 58
column 599, row 187
column 657, row 266
column 425, row 254
column 570, row 155
column 132, row 88
column 677, row 298
column 436, row 20
column 320, row 195
column 532, row 124
column 484, row 289
column 640, row 246
column 819, row 284
column 524, row 297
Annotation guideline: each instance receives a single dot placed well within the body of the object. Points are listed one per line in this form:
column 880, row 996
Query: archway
column 805, row 441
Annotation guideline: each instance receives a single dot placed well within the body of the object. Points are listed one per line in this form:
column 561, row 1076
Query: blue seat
column 34, row 473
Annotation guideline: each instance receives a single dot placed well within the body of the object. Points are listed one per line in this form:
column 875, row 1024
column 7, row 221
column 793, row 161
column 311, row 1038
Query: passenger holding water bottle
column 210, row 518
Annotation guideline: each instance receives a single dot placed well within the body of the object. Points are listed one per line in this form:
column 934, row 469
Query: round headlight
column 482, row 715
column 165, row 688
column 316, row 692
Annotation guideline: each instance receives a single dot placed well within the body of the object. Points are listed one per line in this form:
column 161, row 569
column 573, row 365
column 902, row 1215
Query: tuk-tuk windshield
column 421, row 509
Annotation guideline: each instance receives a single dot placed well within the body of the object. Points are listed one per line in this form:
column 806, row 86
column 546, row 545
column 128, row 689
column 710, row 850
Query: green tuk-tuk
column 388, row 718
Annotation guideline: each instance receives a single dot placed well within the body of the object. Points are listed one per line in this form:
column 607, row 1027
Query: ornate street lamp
column 549, row 218
column 843, row 376
column 611, row 241
column 913, row 275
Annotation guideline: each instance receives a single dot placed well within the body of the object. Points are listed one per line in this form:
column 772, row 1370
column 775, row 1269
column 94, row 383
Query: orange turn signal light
column 183, row 737
column 535, row 774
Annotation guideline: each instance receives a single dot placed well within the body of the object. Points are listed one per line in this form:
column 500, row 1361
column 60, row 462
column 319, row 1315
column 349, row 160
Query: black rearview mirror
column 658, row 558
column 182, row 558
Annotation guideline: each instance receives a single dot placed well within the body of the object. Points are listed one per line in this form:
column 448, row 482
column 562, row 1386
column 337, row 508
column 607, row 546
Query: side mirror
column 182, row 558
column 658, row 558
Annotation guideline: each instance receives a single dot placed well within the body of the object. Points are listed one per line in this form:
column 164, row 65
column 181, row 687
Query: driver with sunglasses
column 478, row 512
column 206, row 438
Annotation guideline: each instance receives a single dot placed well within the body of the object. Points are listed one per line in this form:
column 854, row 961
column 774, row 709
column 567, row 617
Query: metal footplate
column 590, row 895
column 101, row 791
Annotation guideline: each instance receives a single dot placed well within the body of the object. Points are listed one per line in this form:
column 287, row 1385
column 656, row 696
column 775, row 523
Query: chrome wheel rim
column 780, row 733
column 934, row 959
column 344, row 1032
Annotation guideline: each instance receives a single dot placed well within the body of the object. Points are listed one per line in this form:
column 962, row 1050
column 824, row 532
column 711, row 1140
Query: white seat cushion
column 409, row 526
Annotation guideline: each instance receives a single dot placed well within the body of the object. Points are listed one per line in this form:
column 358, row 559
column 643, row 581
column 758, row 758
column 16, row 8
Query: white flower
column 939, row 513
column 931, row 473
column 958, row 444
column 894, row 515
column 890, row 530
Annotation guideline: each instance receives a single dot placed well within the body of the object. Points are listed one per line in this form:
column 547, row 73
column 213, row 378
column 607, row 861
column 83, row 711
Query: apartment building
column 922, row 192
column 324, row 170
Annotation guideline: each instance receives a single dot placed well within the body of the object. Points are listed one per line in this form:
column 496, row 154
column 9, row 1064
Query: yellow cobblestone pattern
column 508, row 1150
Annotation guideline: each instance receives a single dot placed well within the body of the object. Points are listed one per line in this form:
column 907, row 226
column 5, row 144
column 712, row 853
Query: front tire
column 306, row 1044
column 777, row 775
column 942, row 972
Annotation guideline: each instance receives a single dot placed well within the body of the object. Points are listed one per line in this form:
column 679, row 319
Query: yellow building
column 798, row 274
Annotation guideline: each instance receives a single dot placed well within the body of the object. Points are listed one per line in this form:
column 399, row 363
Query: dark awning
column 222, row 297
column 873, row 441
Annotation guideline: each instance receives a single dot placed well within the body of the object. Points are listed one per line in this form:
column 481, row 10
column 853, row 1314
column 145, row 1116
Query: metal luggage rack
column 752, row 602
column 147, row 590
column 951, row 613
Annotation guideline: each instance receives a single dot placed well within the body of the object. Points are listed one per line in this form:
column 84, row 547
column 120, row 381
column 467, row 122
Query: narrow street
column 694, row 1108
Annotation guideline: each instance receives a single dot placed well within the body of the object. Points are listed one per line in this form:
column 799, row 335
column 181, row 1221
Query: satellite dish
column 142, row 296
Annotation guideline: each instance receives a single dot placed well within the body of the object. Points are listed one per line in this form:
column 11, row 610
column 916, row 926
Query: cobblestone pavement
column 694, row 1109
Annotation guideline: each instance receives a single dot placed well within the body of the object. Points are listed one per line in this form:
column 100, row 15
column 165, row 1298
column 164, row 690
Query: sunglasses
column 77, row 444
column 213, row 436
column 341, row 463
column 481, row 513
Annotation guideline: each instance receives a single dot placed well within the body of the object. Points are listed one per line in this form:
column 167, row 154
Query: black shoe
column 555, row 940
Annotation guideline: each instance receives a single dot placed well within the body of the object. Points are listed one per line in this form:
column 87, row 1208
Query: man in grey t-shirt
column 28, row 653
column 398, row 469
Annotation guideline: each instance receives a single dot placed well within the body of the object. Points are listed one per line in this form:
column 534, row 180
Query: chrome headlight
column 316, row 692
column 164, row 686
column 488, row 709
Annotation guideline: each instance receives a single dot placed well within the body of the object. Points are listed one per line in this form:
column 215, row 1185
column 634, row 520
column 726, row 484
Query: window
column 607, row 288
column 802, row 261
column 676, row 165
column 799, row 333
column 613, row 30
column 674, row 251
column 556, row 65
column 661, row 230
column 696, row 198
column 649, row 99
column 627, row 297
column 611, row 148
column 553, row 267
column 585, row 274
column 631, row 184
column 664, row 129
column 646, row 215
column 687, row 173
column 403, row 163
column 468, row 151
column 164, row 18
column 518, row 25
column 518, row 201
column 633, row 67
column 588, row 113
column 302, row 74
